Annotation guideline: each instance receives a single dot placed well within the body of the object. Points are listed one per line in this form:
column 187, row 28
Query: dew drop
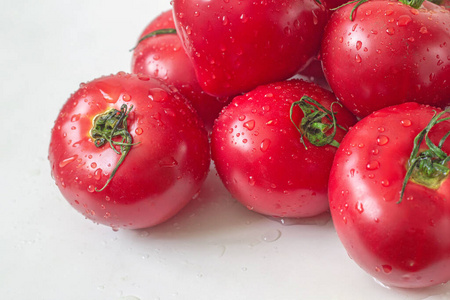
column 75, row 118
column 406, row 123
column 359, row 207
column 386, row 269
column 251, row 180
column 271, row 236
column 358, row 45
column 93, row 165
column 358, row 58
column 265, row 144
column 126, row 97
column 91, row 189
column 352, row 172
column 250, row 125
column 385, row 183
column 382, row 140
column 139, row 131
column 373, row 165
column 158, row 95
column 423, row 30
column 404, row 20
column 242, row 117
column 390, row 30
column 98, row 174
column 67, row 161
column 168, row 162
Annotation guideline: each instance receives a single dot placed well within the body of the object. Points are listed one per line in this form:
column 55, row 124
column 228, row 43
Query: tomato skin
column 160, row 174
column 259, row 157
column 163, row 57
column 391, row 52
column 237, row 45
column 404, row 244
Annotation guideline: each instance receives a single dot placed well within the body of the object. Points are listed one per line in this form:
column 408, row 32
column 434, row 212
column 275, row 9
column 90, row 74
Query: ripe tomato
column 237, row 45
column 259, row 154
column 401, row 241
column 391, row 52
column 162, row 56
column 160, row 139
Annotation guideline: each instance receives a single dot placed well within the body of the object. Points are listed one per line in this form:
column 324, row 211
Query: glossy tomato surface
column 391, row 52
column 164, row 168
column 237, row 45
column 162, row 56
column 406, row 243
column 260, row 158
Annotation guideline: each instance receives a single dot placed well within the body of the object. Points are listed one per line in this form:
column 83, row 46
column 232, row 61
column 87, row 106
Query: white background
column 214, row 249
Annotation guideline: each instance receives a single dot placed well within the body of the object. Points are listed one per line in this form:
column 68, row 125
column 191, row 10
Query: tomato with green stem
column 273, row 147
column 127, row 151
column 159, row 53
column 389, row 195
column 391, row 52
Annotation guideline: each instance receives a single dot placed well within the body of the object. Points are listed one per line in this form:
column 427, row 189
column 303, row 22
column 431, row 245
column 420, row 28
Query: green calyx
column 312, row 125
column 106, row 127
column 155, row 33
column 429, row 167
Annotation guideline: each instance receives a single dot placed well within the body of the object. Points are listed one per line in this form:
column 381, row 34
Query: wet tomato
column 262, row 147
column 237, row 45
column 128, row 152
column 160, row 54
column 391, row 52
column 390, row 195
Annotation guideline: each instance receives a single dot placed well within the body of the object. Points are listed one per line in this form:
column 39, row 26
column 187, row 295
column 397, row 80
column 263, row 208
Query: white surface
column 214, row 249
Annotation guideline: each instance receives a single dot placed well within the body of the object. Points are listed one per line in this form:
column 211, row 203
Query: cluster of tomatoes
column 365, row 136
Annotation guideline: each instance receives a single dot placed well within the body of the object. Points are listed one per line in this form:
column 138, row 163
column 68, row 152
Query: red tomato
column 162, row 56
column 237, row 45
column 391, row 52
column 259, row 155
column 166, row 156
column 403, row 243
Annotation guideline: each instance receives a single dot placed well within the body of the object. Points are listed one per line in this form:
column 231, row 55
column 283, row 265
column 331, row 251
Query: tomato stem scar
column 312, row 126
column 108, row 125
column 428, row 168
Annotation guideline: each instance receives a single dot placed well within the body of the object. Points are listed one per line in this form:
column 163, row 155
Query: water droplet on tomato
column 406, row 123
column 432, row 76
column 359, row 207
column 75, row 118
column 287, row 31
column 249, row 207
column 139, row 131
column 368, row 12
column 91, row 189
column 386, row 269
column 414, row 11
column 250, row 125
column 404, row 20
column 67, row 161
column 243, row 18
column 382, row 140
column 168, row 162
column 158, row 95
column 126, row 97
column 224, row 20
column 373, row 165
column 388, row 12
column 358, row 58
column 358, row 45
column 98, row 174
column 390, row 30
column 251, row 180
column 385, row 183
column 352, row 172
column 265, row 144
column 93, row 165
column 423, row 30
